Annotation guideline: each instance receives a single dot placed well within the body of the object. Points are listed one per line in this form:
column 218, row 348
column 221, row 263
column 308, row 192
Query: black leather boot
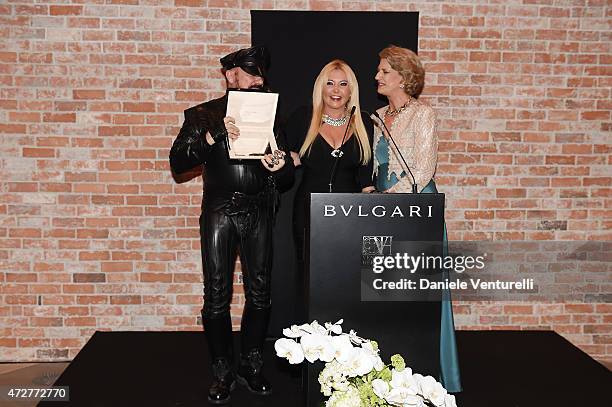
column 250, row 375
column 219, row 337
column 253, row 328
column 223, row 382
column 253, row 333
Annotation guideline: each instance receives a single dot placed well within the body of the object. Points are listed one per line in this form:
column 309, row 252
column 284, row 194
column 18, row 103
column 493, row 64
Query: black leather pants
column 229, row 222
column 226, row 224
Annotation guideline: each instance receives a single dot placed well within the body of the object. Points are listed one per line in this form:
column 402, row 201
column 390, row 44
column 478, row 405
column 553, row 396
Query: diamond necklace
column 334, row 122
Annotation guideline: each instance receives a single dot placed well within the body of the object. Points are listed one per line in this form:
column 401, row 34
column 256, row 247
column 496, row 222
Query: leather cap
column 254, row 60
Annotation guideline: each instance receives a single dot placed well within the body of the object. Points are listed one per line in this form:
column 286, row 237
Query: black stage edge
column 150, row 369
column 499, row 368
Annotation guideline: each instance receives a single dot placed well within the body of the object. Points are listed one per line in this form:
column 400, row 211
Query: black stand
column 343, row 229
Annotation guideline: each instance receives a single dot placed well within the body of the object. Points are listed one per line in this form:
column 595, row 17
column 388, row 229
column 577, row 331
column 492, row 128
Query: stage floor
column 499, row 369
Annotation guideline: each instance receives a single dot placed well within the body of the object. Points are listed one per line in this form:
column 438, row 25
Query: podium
column 344, row 230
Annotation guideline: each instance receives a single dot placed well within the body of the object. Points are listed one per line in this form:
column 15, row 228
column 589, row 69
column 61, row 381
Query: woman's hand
column 296, row 158
column 368, row 190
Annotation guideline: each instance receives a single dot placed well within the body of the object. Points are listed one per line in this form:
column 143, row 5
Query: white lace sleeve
column 426, row 146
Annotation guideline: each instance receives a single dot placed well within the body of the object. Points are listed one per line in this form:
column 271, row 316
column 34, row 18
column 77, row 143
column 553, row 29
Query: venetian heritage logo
column 373, row 246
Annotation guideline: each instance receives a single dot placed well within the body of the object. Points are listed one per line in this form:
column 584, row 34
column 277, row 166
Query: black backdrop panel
column 301, row 43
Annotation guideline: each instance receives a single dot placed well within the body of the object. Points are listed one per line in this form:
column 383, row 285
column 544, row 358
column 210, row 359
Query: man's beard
column 260, row 87
column 254, row 88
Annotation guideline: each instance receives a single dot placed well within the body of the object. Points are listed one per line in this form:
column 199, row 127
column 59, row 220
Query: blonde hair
column 407, row 64
column 356, row 125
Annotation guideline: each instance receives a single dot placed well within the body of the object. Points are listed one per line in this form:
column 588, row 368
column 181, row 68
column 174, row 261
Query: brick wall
column 94, row 235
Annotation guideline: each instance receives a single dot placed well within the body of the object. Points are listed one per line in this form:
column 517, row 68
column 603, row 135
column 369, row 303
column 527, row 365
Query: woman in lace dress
column 412, row 123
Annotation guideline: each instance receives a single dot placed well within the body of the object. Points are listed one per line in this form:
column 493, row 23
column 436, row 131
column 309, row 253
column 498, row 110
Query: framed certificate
column 255, row 113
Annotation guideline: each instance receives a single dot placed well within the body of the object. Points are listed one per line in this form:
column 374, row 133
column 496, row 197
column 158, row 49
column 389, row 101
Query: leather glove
column 219, row 133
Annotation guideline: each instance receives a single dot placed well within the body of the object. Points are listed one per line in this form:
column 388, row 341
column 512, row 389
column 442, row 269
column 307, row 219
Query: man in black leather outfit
column 237, row 211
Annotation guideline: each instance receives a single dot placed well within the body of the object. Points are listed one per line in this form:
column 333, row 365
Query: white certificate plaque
column 255, row 113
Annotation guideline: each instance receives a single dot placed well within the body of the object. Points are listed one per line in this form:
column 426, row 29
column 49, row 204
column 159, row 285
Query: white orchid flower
column 328, row 351
column 306, row 328
column 418, row 378
column 404, row 397
column 380, row 388
column 317, row 347
column 290, row 350
column 378, row 364
column 342, row 346
column 365, row 363
column 357, row 362
column 314, row 328
column 354, row 338
column 449, row 401
column 404, row 379
column 345, row 353
column 433, row 391
column 376, row 360
column 334, row 328
column 293, row 331
column 311, row 328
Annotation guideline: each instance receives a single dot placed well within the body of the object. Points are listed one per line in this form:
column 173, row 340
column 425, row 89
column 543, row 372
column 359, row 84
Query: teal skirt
column 449, row 359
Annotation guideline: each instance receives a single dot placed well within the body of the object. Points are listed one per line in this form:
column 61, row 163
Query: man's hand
column 228, row 129
column 233, row 132
column 274, row 162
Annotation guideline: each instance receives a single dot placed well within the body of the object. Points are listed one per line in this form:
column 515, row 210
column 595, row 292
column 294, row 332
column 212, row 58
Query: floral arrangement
column 354, row 374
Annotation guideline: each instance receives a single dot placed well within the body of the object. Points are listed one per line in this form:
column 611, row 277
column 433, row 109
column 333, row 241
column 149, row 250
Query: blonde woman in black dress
column 315, row 139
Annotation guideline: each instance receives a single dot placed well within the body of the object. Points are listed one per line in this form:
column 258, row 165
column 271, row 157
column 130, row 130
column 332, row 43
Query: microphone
column 414, row 184
column 337, row 153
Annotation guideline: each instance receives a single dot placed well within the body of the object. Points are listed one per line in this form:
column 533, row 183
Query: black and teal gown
column 449, row 359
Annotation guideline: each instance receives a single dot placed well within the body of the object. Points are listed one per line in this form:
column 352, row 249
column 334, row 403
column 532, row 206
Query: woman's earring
column 402, row 86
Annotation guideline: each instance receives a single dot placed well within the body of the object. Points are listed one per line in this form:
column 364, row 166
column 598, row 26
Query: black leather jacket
column 222, row 174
